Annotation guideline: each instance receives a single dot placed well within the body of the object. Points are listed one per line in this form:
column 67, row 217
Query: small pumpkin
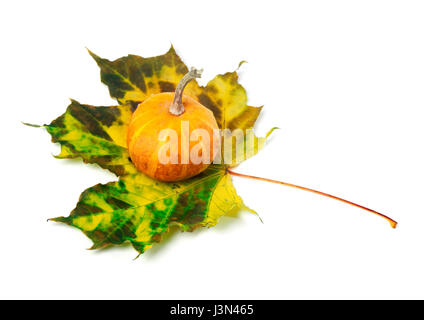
column 163, row 134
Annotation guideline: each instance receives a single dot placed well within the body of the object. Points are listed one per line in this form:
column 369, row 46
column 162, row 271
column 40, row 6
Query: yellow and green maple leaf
column 136, row 208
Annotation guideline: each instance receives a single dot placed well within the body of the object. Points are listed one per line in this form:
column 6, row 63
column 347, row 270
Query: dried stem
column 392, row 222
column 177, row 107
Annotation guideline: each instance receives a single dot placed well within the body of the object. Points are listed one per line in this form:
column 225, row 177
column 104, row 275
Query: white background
column 343, row 80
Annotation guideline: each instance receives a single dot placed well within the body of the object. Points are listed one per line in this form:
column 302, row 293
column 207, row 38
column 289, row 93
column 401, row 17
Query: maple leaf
column 136, row 208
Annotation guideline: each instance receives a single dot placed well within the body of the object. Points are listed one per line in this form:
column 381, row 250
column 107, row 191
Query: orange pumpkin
column 163, row 135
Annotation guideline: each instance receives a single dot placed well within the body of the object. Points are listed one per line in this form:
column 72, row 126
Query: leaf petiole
column 392, row 222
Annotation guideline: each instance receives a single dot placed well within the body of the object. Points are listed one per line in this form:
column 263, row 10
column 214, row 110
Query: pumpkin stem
column 392, row 222
column 177, row 106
